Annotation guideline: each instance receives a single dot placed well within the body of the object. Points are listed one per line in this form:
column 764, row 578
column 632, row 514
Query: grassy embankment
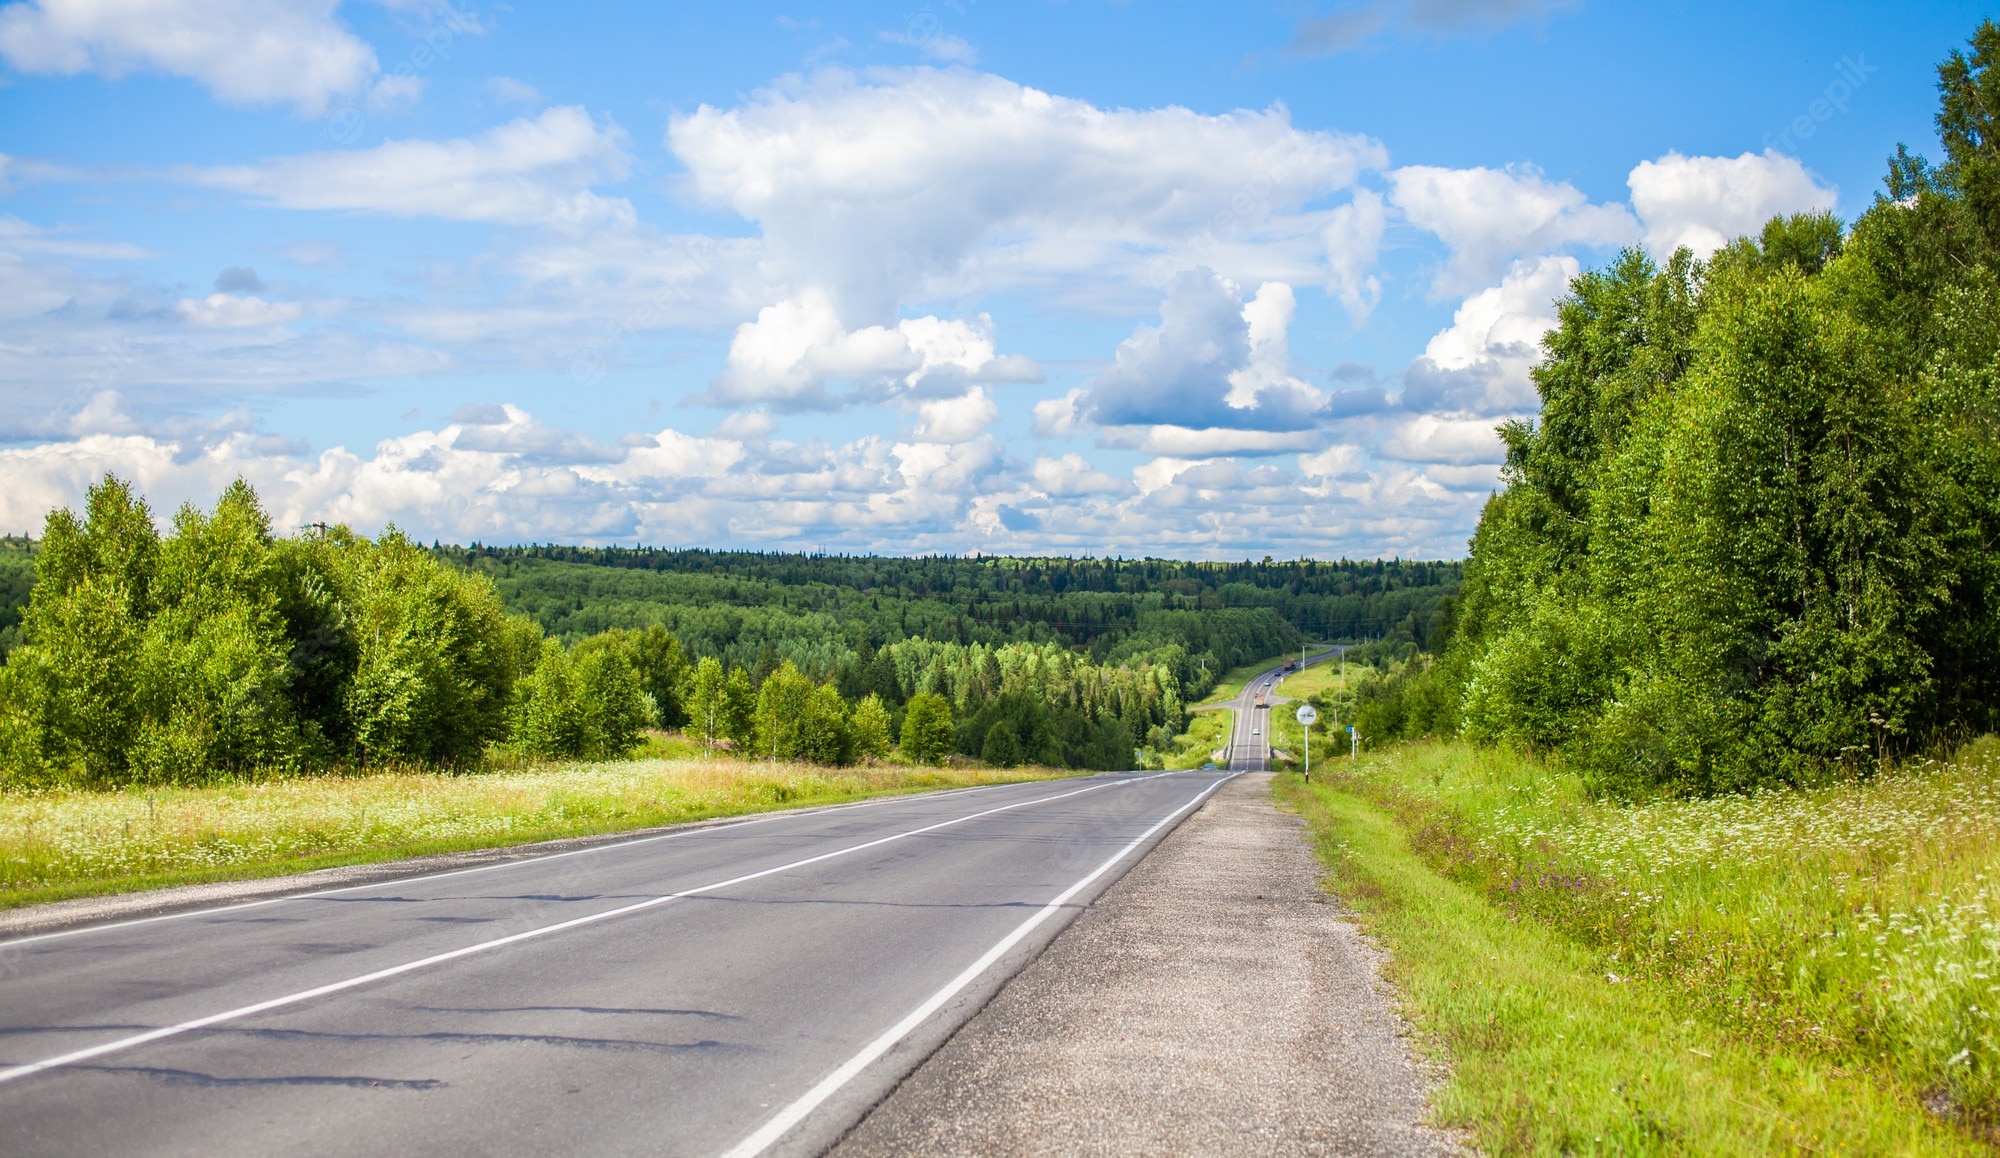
column 77, row 843
column 1812, row 971
column 1206, row 733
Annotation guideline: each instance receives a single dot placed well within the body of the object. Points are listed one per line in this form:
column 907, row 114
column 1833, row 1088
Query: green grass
column 75, row 843
column 1207, row 732
column 1792, row 970
column 1321, row 678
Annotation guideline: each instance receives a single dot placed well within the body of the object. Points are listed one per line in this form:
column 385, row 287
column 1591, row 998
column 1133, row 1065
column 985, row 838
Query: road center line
column 795, row 1113
column 14, row 1073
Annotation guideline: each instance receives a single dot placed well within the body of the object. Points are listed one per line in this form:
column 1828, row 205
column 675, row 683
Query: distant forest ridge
column 730, row 603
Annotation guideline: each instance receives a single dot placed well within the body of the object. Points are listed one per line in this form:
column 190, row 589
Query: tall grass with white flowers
column 1860, row 922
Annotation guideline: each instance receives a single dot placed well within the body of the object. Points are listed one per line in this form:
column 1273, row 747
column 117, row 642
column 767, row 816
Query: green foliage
column 830, row 614
column 739, row 709
column 17, row 578
column 705, row 701
column 1751, row 539
column 223, row 650
column 927, row 729
column 220, row 650
column 1001, row 749
column 869, row 728
column 435, row 675
column 582, row 703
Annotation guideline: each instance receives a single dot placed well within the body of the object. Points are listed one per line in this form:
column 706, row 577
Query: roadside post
column 1353, row 745
column 1308, row 714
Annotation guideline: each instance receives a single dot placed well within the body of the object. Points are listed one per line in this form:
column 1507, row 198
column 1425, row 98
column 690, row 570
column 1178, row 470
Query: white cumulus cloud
column 1479, row 364
column 872, row 189
column 1490, row 216
column 244, row 51
column 1213, row 361
column 789, row 353
column 1704, row 202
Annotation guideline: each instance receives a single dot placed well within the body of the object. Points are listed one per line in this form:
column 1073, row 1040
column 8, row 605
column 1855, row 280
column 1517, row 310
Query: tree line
column 1754, row 536
column 1095, row 605
column 222, row 649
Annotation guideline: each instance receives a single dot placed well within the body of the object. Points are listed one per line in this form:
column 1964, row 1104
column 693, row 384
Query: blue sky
column 1139, row 278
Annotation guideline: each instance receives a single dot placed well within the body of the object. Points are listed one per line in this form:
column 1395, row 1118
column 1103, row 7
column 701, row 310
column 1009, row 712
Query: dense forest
column 1755, row 535
column 1095, row 604
column 221, row 648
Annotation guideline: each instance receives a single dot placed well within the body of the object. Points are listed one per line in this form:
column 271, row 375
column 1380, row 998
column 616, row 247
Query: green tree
column 784, row 707
column 705, row 703
column 615, row 706
column 739, row 711
column 548, row 714
column 927, row 730
column 868, row 728
column 1002, row 748
column 824, row 734
column 435, row 671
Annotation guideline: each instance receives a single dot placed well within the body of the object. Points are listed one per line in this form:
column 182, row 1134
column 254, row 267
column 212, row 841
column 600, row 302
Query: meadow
column 63, row 843
column 1829, row 957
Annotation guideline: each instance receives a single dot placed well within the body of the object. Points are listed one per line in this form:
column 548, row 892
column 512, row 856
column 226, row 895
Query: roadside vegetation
column 1779, row 970
column 1683, row 830
column 1754, row 536
column 1207, row 733
column 62, row 843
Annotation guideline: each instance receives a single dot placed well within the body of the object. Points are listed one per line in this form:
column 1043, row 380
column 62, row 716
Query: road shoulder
column 1214, row 1001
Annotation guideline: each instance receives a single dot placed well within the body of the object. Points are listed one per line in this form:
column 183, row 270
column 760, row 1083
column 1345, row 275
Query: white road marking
column 695, row 828
column 795, row 1113
column 124, row 1043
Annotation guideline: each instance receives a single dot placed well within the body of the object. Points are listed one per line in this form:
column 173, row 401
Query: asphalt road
column 1250, row 731
column 739, row 989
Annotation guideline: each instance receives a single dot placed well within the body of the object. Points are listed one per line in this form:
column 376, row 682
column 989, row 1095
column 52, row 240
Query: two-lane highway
column 738, row 989
column 1250, row 734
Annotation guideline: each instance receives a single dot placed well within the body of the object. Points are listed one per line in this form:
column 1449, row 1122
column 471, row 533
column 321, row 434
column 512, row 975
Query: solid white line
column 124, row 1043
column 795, row 1113
column 695, row 828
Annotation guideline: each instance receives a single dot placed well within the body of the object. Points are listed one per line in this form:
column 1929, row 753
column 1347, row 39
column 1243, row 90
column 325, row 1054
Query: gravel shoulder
column 1214, row 1001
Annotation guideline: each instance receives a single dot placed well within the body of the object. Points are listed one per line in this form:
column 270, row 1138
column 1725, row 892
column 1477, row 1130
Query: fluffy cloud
column 496, row 473
column 1458, row 441
column 1353, row 239
column 1212, row 362
column 245, row 51
column 918, row 179
column 532, row 171
column 1479, row 364
column 958, row 419
column 794, row 348
column 1489, row 216
column 1704, row 202
column 1072, row 476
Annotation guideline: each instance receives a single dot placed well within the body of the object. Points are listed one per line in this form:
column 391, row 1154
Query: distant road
column 1250, row 734
column 739, row 989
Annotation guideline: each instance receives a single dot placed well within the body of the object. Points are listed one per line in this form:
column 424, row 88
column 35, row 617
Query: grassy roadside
column 1581, row 1012
column 55, row 845
column 1207, row 732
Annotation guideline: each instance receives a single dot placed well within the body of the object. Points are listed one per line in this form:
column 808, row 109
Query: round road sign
column 1307, row 714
